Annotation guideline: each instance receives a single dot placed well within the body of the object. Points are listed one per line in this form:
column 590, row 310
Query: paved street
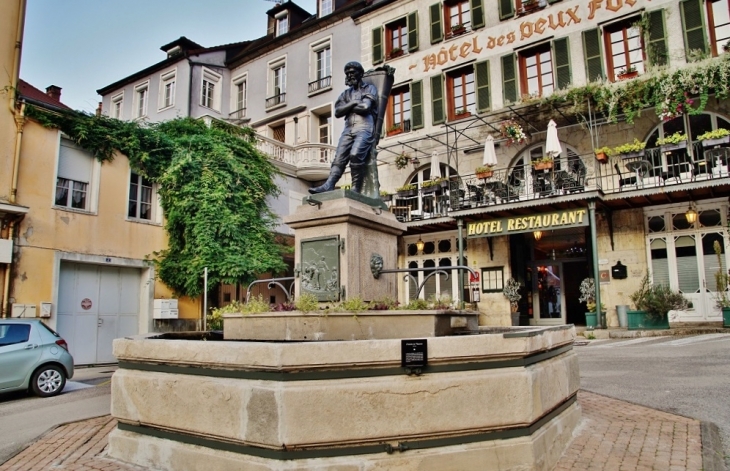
column 28, row 417
column 689, row 376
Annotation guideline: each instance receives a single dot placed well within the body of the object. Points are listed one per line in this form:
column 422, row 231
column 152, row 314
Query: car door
column 19, row 353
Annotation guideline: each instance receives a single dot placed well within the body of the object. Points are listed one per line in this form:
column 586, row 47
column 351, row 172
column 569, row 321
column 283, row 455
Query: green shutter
column 417, row 105
column 481, row 72
column 412, row 31
column 561, row 55
column 477, row 14
column 657, row 38
column 592, row 54
column 437, row 99
column 378, row 45
column 506, row 9
column 509, row 79
column 437, row 31
column 694, row 27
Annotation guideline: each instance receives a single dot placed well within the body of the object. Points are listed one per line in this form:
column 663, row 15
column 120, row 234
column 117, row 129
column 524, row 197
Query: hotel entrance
column 559, row 263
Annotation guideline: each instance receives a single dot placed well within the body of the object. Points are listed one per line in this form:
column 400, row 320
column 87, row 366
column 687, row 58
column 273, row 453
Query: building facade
column 469, row 69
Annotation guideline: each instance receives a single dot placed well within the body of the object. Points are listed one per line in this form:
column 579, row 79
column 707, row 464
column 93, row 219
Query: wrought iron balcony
column 238, row 114
column 276, row 100
column 320, row 84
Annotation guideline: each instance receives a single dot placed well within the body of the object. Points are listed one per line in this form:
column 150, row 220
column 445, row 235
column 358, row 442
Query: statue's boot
column 329, row 185
column 357, row 172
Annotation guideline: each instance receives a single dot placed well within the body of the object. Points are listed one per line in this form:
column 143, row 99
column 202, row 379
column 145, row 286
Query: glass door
column 548, row 293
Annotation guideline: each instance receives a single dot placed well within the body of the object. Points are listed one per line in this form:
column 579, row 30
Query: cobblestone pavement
column 613, row 435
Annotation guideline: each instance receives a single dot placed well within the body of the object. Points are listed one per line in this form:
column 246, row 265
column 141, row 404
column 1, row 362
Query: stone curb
column 712, row 452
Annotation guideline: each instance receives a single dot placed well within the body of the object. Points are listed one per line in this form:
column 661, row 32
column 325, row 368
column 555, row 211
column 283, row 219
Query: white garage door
column 96, row 304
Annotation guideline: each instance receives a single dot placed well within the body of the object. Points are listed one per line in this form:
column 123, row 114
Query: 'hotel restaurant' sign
column 519, row 224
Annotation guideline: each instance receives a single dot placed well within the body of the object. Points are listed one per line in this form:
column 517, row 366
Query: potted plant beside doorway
column 511, row 291
column 722, row 280
column 588, row 295
column 653, row 303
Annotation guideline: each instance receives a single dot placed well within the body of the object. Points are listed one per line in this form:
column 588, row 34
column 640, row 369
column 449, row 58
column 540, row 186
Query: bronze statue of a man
column 359, row 105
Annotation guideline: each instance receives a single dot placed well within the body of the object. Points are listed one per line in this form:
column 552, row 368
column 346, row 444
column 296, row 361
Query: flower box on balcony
column 632, row 155
column 543, row 164
column 671, row 147
column 485, row 174
column 395, row 53
column 715, row 142
column 529, row 7
column 394, row 131
column 457, row 30
column 628, row 75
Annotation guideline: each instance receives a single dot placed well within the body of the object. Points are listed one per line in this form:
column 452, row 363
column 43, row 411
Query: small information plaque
column 413, row 353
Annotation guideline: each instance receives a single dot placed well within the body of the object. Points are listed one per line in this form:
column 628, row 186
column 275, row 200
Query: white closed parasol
column 490, row 156
column 552, row 145
column 435, row 165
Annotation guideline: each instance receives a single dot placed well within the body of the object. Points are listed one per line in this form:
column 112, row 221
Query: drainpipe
column 19, row 125
column 16, row 56
column 460, row 225
column 594, row 244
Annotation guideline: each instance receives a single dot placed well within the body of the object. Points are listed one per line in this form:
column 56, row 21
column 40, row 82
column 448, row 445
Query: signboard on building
column 519, row 224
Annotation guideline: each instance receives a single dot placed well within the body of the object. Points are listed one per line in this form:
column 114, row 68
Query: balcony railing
column 304, row 155
column 276, row 100
column 653, row 171
column 238, row 114
column 320, row 84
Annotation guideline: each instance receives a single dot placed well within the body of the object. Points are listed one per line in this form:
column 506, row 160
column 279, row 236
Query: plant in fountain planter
column 714, row 138
column 630, row 149
column 402, row 160
column 484, row 171
column 511, row 291
column 653, row 303
column 513, row 132
column 722, row 283
column 603, row 153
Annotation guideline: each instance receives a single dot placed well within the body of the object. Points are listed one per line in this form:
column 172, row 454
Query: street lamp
column 691, row 214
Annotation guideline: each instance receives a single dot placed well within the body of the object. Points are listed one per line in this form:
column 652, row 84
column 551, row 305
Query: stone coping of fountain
column 361, row 325
column 515, row 343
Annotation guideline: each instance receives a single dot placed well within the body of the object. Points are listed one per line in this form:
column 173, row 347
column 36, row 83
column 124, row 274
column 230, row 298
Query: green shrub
column 256, row 305
column 385, row 303
column 307, row 302
column 214, row 320
column 441, row 303
column 417, row 305
column 355, row 304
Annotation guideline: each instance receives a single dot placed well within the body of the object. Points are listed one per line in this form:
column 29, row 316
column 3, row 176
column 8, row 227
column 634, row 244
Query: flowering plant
column 675, row 138
column 511, row 291
column 406, row 187
column 402, row 160
column 670, row 109
column 588, row 293
column 716, row 134
column 629, row 147
column 512, row 130
column 484, row 168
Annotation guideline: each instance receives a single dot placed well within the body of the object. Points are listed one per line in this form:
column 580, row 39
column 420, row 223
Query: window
column 282, row 24
column 325, row 7
column 239, row 97
column 536, row 70
column 140, row 197
column 11, row 334
column 167, row 89
column 398, row 118
column 492, row 280
column 454, row 17
column 277, row 83
column 117, row 106
column 624, row 49
column 141, row 94
column 718, row 22
column 210, row 92
column 396, row 38
column 74, row 175
column 460, row 92
column 324, row 134
column 440, row 251
column 321, row 58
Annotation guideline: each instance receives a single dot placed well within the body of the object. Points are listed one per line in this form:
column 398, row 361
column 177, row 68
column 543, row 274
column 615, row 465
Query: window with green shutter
column 417, row 105
column 693, row 22
column 657, row 44
column 412, row 31
column 561, row 57
column 481, row 70
column 477, row 14
column 437, row 30
column 506, row 9
column 592, row 55
column 437, row 99
column 509, row 79
column 378, row 45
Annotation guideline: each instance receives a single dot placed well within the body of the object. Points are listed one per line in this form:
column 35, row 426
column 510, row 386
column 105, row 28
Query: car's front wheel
column 48, row 380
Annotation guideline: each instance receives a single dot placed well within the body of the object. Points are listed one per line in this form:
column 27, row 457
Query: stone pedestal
column 360, row 230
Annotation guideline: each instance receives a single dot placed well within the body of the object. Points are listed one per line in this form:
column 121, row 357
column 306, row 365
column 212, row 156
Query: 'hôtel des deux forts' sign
column 528, row 29
column 519, row 224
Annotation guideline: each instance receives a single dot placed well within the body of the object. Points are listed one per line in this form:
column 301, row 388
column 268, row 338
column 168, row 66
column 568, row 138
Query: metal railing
column 238, row 114
column 432, row 271
column 274, row 282
column 276, row 100
column 320, row 84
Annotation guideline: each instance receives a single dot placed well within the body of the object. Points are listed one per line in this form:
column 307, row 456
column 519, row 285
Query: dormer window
column 282, row 23
column 325, row 7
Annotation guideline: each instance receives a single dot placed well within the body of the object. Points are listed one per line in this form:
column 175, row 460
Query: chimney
column 54, row 92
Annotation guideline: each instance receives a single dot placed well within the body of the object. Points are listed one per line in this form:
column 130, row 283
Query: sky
column 84, row 45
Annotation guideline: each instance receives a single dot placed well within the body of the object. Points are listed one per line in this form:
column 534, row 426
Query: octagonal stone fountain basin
column 501, row 399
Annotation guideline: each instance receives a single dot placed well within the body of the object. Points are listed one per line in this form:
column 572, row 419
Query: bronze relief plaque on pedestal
column 320, row 272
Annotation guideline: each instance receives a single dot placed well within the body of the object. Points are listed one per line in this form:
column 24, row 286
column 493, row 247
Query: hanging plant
column 513, row 132
column 402, row 160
